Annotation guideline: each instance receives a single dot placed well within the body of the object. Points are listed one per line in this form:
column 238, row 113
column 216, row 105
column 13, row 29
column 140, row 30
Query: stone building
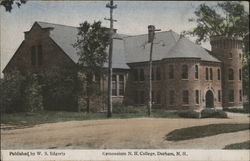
column 185, row 75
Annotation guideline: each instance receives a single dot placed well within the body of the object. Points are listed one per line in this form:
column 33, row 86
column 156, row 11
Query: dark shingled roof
column 132, row 49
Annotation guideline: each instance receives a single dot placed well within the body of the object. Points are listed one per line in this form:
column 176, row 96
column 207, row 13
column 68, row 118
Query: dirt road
column 118, row 133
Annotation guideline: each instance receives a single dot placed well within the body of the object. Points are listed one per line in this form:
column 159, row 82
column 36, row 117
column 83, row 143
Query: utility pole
column 111, row 6
column 151, row 36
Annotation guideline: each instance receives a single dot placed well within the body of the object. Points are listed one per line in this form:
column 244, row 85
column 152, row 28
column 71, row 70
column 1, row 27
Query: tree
column 9, row 3
column 92, row 42
column 226, row 18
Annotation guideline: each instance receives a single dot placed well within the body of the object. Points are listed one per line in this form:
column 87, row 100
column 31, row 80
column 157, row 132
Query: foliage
column 60, row 90
column 213, row 113
column 226, row 18
column 189, row 114
column 205, row 130
column 243, row 145
column 237, row 110
column 33, row 94
column 11, row 92
column 119, row 109
column 92, row 42
column 9, row 3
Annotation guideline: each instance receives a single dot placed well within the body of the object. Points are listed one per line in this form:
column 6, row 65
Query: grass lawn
column 61, row 116
column 243, row 145
column 203, row 131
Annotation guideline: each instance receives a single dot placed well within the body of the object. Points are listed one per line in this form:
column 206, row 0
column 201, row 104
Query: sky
column 132, row 17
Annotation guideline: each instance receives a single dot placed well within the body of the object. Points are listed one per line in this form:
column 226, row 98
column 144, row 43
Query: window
column 153, row 97
column 171, row 97
column 211, row 74
column 240, row 73
column 219, row 96
column 114, row 85
column 230, row 74
column 121, row 85
column 230, row 55
column 240, row 55
column 163, row 73
column 136, row 97
column 185, row 97
column 184, row 74
column 231, row 95
column 142, row 97
column 36, row 55
column 118, row 86
column 197, row 98
column 196, row 72
column 158, row 98
column 206, row 73
column 218, row 74
column 135, row 75
column 40, row 55
column 171, row 72
column 158, row 73
column 33, row 55
column 240, row 94
column 142, row 78
column 153, row 73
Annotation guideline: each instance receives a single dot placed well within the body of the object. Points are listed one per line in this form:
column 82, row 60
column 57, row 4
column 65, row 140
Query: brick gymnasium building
column 185, row 75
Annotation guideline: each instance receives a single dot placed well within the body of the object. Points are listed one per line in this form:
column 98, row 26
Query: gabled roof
column 66, row 36
column 132, row 49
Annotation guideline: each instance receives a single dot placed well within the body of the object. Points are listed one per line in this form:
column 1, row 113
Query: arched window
column 211, row 73
column 206, row 73
column 197, row 97
column 219, row 95
column 230, row 74
column 171, row 72
column 218, row 74
column 240, row 73
column 184, row 74
column 231, row 95
column 185, row 97
column 240, row 92
column 196, row 72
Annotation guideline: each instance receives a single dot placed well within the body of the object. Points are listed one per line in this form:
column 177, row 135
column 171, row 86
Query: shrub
column 125, row 109
column 189, row 114
column 213, row 113
column 236, row 110
column 60, row 91
column 33, row 94
column 11, row 91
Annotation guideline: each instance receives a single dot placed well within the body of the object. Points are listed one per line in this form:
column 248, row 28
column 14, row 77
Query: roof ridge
column 56, row 24
column 171, row 31
column 147, row 34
